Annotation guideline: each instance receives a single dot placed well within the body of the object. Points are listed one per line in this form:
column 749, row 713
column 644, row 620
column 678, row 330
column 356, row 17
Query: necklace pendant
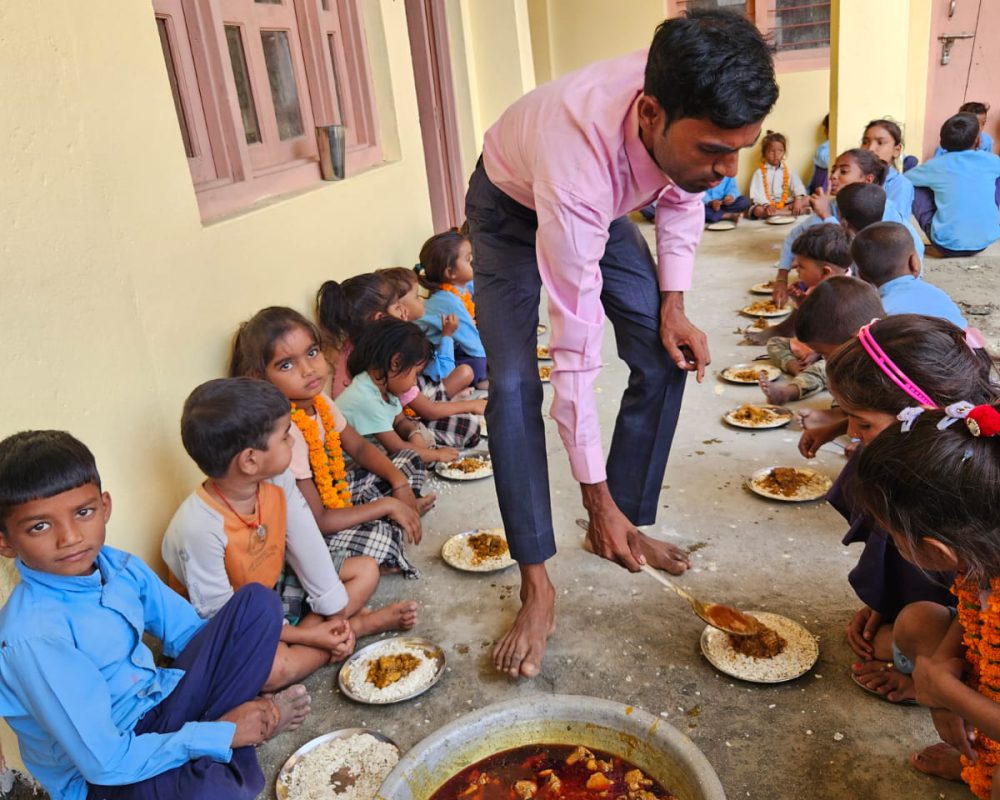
column 261, row 531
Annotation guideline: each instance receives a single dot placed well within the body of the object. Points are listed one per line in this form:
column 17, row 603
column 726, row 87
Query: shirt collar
column 65, row 583
column 896, row 282
column 648, row 176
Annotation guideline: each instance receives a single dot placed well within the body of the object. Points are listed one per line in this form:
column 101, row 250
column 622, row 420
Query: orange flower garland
column 981, row 637
column 464, row 295
column 326, row 457
column 784, row 185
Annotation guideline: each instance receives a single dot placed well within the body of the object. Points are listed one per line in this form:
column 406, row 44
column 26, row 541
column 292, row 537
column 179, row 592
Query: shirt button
column 142, row 693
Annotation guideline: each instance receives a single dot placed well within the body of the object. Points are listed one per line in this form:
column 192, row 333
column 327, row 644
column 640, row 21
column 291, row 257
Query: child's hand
column 406, row 518
column 797, row 291
column 715, row 205
column 799, row 205
column 861, row 632
column 954, row 731
column 727, row 200
column 254, row 720
column 478, row 406
column 779, row 294
column 331, row 634
column 933, row 677
column 769, row 210
column 449, row 324
column 442, row 454
column 820, row 202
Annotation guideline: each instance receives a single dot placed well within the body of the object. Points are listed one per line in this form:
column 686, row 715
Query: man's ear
column 651, row 115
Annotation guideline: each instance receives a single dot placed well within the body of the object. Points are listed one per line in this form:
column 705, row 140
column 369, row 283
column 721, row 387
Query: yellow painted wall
column 116, row 300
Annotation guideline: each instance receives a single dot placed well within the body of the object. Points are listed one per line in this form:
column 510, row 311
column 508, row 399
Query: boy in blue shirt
column 94, row 716
column 724, row 202
column 956, row 192
column 884, row 256
column 981, row 110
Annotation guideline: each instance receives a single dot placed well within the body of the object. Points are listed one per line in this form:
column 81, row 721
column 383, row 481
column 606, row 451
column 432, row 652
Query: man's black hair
column 39, row 464
column 712, row 65
column 959, row 132
column 226, row 416
column 861, row 204
column 882, row 252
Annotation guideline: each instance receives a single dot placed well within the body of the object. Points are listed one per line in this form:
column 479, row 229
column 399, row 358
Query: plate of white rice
column 798, row 657
column 481, row 550
column 422, row 662
column 349, row 764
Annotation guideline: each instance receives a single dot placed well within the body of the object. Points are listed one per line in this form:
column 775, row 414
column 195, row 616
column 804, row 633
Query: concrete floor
column 622, row 637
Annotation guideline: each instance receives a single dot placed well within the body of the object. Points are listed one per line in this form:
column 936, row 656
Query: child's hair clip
column 967, row 454
column 983, row 421
column 908, row 416
column 418, row 268
column 954, row 413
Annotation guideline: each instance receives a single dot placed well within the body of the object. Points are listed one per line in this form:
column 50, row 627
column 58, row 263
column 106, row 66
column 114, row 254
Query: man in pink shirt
column 546, row 206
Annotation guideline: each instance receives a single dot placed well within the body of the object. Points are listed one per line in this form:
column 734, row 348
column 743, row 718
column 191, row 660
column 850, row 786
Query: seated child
column 93, row 713
column 384, row 365
column 956, row 192
column 368, row 507
column 820, row 253
column 932, row 484
column 885, row 257
column 828, row 317
column 775, row 189
column 981, row 111
column 884, row 138
column 445, row 270
column 724, row 202
column 933, row 355
column 821, row 160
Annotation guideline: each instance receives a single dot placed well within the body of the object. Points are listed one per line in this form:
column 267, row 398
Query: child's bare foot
column 940, row 760
column 426, row 503
column 886, row 680
column 778, row 393
column 395, row 617
column 758, row 337
column 293, row 706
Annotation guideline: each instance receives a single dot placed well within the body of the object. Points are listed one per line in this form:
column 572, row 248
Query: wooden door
column 963, row 36
column 428, row 31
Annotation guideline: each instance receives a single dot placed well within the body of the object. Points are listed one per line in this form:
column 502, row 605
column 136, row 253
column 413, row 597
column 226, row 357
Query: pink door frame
column 425, row 20
column 973, row 64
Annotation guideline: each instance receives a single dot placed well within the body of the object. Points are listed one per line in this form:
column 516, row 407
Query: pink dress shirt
column 571, row 151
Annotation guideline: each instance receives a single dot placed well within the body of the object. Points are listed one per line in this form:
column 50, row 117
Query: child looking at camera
column 775, row 189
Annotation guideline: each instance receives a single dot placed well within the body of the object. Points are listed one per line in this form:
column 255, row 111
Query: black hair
column 868, row 163
column 941, row 484
column 769, row 138
column 826, row 123
column 344, row 309
column 226, row 416
column 39, row 464
column 889, row 126
column 835, row 309
column 826, row 243
column 861, row 204
column 974, row 107
column 255, row 339
column 387, row 340
column 882, row 251
column 712, row 65
column 437, row 256
column 959, row 132
column 400, row 279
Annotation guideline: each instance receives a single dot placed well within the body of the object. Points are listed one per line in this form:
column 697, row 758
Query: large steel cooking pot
column 649, row 742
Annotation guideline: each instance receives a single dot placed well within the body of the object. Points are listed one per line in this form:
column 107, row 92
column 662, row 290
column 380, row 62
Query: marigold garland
column 981, row 637
column 464, row 295
column 784, row 185
column 326, row 457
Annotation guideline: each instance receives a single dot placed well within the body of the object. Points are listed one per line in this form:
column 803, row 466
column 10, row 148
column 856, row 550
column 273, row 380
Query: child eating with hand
column 93, row 713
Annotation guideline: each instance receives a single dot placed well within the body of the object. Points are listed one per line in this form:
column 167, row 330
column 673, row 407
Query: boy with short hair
column 981, row 110
column 831, row 314
column 94, row 715
column 956, row 192
column 861, row 205
column 885, row 257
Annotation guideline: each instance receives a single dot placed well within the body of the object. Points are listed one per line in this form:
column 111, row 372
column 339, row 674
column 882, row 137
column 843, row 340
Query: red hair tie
column 983, row 421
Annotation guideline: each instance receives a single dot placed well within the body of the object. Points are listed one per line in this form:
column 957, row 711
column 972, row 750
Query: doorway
column 428, row 30
column 963, row 57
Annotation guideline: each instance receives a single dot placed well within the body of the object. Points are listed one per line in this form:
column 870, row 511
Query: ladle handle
column 655, row 573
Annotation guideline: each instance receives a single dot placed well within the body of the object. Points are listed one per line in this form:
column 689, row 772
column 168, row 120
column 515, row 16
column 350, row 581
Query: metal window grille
column 801, row 25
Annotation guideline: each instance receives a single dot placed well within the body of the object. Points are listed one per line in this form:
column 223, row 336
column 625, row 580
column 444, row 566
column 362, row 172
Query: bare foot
column 519, row 653
column 758, row 337
column 940, row 760
column 293, row 706
column 661, row 555
column 395, row 617
column 881, row 677
column 426, row 502
column 778, row 393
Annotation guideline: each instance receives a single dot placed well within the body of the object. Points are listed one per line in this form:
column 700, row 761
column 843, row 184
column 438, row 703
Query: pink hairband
column 886, row 364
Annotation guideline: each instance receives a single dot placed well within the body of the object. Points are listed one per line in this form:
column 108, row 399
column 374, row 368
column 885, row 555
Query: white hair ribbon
column 908, row 416
column 955, row 412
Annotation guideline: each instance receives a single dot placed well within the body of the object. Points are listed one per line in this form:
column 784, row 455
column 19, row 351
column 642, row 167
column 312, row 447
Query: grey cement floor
column 621, row 637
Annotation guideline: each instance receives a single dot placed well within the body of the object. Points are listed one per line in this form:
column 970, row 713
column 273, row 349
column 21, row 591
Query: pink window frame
column 228, row 174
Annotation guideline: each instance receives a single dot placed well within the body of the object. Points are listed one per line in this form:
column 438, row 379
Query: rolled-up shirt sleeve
column 680, row 218
column 571, row 239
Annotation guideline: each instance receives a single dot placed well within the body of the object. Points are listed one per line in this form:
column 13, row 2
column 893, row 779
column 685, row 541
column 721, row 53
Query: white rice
column 484, row 471
column 362, row 756
column 796, row 659
column 459, row 553
column 422, row 676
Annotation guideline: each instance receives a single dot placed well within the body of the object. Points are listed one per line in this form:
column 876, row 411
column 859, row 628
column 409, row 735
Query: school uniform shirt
column 907, row 295
column 442, row 363
column 588, row 169
column 775, row 181
column 75, row 676
column 985, row 144
column 365, row 408
column 211, row 552
column 727, row 188
column 899, row 190
column 821, row 158
column 964, row 187
column 466, row 337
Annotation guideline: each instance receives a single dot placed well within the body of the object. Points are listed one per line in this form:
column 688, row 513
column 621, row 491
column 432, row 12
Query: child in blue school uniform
column 445, row 271
column 821, row 160
column 724, row 202
column 981, row 110
column 94, row 715
column 884, row 138
column 956, row 197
